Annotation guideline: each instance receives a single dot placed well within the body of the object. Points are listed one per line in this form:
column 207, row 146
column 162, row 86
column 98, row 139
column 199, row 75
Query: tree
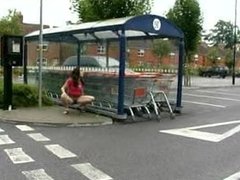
column 93, row 10
column 10, row 24
column 229, row 58
column 161, row 48
column 213, row 55
column 222, row 34
column 186, row 14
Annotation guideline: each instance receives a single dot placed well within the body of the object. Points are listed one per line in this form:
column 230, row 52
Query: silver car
column 91, row 61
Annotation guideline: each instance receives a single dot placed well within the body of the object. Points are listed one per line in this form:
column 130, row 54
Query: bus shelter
column 119, row 30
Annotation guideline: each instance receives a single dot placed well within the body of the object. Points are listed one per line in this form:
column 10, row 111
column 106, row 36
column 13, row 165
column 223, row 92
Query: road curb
column 50, row 124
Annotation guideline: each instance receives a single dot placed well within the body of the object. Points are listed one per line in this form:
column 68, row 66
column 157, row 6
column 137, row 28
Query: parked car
column 220, row 71
column 91, row 61
column 237, row 73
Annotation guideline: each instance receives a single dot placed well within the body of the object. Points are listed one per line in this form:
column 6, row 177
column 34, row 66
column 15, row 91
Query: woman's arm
column 64, row 87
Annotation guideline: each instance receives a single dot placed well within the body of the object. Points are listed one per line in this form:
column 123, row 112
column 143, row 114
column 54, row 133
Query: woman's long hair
column 76, row 76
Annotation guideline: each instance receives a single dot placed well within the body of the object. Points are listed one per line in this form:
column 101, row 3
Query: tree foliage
column 186, row 14
column 229, row 58
column 93, row 10
column 161, row 48
column 213, row 55
column 223, row 34
column 10, row 24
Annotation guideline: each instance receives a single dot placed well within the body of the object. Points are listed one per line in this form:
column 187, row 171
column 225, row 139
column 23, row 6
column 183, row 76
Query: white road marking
column 215, row 124
column 38, row 174
column 205, row 104
column 222, row 93
column 230, row 133
column 213, row 137
column 18, row 156
column 235, row 176
column 212, row 97
column 91, row 172
column 4, row 139
column 194, row 134
column 24, row 128
column 60, row 151
column 38, row 137
column 1, row 130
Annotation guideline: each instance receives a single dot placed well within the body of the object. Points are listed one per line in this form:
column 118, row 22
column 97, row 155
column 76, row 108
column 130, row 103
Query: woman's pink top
column 74, row 89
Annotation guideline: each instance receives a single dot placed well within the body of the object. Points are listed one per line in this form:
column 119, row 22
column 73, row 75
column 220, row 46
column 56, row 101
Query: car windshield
column 103, row 61
column 91, row 61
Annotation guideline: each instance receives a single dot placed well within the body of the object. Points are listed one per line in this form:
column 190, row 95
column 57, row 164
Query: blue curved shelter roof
column 135, row 27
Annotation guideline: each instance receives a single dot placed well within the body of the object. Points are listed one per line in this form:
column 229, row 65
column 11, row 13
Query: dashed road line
column 211, row 97
column 205, row 104
column 24, row 128
column 91, row 172
column 221, row 93
column 18, row 156
column 4, row 139
column 38, row 137
column 38, row 174
column 60, row 151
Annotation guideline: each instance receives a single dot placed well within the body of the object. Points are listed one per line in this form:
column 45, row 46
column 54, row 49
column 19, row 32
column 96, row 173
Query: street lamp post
column 40, row 58
column 235, row 42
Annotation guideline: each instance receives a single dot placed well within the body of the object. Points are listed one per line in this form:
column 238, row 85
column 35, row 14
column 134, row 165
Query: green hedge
column 25, row 96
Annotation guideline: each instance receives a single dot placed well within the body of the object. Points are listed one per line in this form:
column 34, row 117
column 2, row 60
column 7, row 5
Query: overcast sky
column 56, row 12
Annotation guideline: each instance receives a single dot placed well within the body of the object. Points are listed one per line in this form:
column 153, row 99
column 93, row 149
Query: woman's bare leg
column 66, row 101
column 85, row 99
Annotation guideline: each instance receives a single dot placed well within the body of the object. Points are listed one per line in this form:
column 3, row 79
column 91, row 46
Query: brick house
column 32, row 47
column 139, row 53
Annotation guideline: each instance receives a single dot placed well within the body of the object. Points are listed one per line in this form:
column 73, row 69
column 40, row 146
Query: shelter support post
column 78, row 53
column 180, row 77
column 107, row 53
column 121, row 79
column 25, row 79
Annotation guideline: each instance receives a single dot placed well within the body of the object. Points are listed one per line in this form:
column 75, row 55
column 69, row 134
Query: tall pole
column 40, row 58
column 235, row 42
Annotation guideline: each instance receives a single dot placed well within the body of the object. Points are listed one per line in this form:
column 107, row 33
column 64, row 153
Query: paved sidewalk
column 53, row 115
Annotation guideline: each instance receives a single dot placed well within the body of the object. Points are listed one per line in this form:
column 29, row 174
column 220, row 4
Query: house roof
column 134, row 27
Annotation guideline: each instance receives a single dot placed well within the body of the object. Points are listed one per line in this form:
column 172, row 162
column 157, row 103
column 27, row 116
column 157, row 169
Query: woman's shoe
column 66, row 111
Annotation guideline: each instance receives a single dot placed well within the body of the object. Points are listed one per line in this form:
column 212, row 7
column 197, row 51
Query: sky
column 57, row 12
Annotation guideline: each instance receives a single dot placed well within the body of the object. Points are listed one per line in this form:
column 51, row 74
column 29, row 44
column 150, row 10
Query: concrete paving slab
column 53, row 115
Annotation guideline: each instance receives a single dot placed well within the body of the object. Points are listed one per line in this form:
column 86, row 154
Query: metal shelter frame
column 120, row 29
